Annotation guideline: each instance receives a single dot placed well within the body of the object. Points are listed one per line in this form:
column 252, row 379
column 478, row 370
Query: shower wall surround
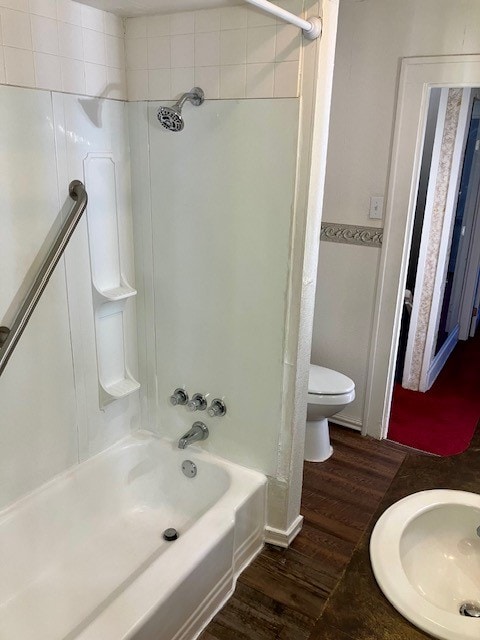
column 63, row 46
column 213, row 217
column 232, row 52
column 49, row 391
column 214, row 225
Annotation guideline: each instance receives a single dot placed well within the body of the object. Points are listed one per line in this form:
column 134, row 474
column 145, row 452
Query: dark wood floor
column 281, row 595
column 372, row 617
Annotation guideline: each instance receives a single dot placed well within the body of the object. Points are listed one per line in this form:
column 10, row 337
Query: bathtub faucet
column 198, row 431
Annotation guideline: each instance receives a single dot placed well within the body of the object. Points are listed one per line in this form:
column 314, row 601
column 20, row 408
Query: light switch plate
column 376, row 208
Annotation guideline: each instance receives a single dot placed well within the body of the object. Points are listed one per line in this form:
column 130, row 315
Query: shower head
column 171, row 117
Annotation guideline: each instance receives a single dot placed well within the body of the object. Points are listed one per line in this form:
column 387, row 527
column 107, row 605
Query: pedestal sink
column 425, row 554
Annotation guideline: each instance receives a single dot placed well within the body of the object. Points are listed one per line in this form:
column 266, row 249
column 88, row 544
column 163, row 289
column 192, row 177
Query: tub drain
column 170, row 534
column 189, row 469
column 470, row 609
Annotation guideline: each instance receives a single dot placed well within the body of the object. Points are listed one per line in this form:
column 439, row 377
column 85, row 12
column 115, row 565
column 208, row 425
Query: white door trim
column 429, row 365
column 471, row 277
column 424, row 242
column 418, row 77
column 441, row 358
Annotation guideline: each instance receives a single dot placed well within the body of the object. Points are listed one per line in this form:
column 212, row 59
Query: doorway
column 454, row 261
column 431, row 403
column 419, row 77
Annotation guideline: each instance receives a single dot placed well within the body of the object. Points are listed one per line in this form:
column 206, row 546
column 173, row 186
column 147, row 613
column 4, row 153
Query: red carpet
column 442, row 420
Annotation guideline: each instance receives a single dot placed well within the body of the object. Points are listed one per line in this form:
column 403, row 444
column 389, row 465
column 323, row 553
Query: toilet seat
column 325, row 382
column 331, row 399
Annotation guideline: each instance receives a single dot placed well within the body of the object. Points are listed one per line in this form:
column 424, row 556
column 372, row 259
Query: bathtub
column 83, row 556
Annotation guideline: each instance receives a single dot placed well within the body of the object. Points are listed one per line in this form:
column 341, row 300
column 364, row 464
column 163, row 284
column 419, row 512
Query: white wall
column 373, row 36
column 343, row 310
column 49, row 393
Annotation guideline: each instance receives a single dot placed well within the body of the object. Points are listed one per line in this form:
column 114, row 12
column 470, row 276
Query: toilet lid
column 328, row 382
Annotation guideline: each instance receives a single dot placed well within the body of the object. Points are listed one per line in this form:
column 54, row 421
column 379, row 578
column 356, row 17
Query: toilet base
column 317, row 441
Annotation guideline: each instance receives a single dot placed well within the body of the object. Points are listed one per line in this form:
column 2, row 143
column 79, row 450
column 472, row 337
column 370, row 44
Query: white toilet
column 328, row 393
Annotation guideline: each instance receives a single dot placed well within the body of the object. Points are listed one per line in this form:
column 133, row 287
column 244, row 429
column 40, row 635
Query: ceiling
column 142, row 7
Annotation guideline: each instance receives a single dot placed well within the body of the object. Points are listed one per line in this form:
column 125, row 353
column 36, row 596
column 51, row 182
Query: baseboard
column 345, row 421
column 283, row 537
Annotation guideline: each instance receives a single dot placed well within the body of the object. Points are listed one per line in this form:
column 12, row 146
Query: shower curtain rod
column 311, row 28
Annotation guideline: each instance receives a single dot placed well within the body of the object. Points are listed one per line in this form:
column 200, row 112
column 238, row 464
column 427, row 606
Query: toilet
column 328, row 393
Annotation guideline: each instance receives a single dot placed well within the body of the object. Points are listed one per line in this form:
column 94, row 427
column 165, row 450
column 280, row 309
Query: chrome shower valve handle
column 217, row 409
column 197, row 403
column 179, row 397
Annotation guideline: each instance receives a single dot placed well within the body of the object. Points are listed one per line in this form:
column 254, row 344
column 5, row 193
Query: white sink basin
column 425, row 554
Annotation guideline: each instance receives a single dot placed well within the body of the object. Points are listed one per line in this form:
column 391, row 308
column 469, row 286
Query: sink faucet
column 198, row 431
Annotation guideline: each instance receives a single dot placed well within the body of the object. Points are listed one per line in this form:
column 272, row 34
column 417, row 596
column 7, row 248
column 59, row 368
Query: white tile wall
column 61, row 45
column 232, row 52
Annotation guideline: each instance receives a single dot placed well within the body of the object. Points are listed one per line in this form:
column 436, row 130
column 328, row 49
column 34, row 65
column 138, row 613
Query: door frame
column 431, row 364
column 468, row 235
column 418, row 76
column 470, row 284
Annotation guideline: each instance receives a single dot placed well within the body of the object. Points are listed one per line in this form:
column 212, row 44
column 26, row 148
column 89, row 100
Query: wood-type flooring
column 372, row 617
column 281, row 595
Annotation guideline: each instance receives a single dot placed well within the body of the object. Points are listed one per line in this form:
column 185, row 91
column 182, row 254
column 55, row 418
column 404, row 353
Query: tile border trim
column 351, row 234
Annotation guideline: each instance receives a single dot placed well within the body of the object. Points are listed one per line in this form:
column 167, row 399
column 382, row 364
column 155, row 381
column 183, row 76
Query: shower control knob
column 217, row 409
column 197, row 403
column 180, row 396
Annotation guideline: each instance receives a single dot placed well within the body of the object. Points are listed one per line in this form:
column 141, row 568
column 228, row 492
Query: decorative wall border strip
column 351, row 234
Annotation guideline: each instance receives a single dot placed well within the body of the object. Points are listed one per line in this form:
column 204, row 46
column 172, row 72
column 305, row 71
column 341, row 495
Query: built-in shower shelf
column 122, row 292
column 119, row 389
column 110, row 288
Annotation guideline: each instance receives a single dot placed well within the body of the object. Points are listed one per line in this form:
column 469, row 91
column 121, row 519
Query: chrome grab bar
column 9, row 337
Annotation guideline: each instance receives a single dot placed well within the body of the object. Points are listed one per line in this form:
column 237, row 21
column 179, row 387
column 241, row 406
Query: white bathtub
column 83, row 556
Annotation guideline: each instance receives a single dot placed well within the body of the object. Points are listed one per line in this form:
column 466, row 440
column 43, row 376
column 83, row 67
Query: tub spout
column 198, row 431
